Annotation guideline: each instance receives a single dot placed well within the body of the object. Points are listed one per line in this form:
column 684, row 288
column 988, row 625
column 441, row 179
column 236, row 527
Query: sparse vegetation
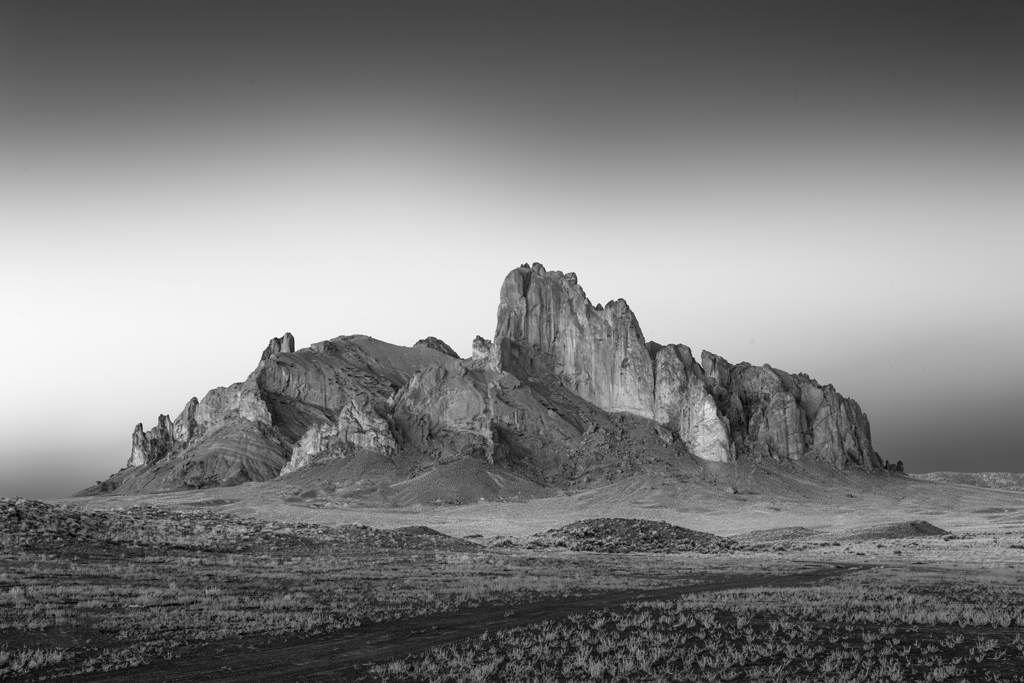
column 120, row 589
column 92, row 592
column 863, row 629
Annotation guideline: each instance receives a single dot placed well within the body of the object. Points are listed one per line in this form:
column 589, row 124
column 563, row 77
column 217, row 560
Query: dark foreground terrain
column 151, row 594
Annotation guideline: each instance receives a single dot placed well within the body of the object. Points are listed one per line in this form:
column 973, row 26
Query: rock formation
column 285, row 344
column 360, row 425
column 468, row 410
column 682, row 402
column 548, row 328
column 157, row 443
column 248, row 431
column 482, row 348
column 437, row 345
column 545, row 402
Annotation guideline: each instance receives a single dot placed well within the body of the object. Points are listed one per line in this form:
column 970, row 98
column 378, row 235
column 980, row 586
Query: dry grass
column 868, row 628
column 93, row 588
column 83, row 592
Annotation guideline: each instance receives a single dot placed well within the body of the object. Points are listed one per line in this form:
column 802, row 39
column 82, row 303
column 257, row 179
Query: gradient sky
column 830, row 188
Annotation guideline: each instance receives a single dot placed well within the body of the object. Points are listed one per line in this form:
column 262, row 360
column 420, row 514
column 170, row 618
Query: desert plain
column 730, row 572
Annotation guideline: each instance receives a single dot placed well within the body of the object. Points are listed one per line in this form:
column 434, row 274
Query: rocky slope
column 567, row 394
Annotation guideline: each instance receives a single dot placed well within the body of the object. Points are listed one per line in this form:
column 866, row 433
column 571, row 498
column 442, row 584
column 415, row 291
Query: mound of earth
column 618, row 535
column 35, row 524
column 461, row 482
column 915, row 529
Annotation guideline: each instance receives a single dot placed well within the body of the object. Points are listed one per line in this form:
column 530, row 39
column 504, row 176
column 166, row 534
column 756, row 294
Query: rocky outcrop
column 249, row 430
column 437, row 345
column 185, row 425
column 461, row 411
column 360, row 425
column 285, row 344
column 783, row 416
column 482, row 348
column 156, row 444
column 241, row 400
column 682, row 401
column 548, row 328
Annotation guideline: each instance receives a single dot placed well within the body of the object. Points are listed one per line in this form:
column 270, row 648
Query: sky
column 829, row 188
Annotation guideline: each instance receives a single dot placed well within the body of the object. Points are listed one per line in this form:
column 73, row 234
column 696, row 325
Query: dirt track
column 340, row 656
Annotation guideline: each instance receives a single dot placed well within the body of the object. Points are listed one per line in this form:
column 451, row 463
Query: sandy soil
column 817, row 498
column 788, row 524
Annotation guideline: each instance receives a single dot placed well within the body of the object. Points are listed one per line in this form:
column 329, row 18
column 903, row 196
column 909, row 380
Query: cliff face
column 548, row 328
column 772, row 413
column 682, row 401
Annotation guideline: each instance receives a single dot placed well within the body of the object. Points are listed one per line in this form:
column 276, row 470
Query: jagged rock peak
column 548, row 327
column 482, row 348
column 156, row 444
column 437, row 345
column 284, row 344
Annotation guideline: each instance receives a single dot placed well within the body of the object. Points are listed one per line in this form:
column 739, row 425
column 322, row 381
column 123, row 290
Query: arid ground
column 787, row 574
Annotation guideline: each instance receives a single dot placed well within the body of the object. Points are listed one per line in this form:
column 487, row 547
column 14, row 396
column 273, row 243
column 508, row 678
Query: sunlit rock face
column 548, row 327
column 773, row 414
column 682, row 401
